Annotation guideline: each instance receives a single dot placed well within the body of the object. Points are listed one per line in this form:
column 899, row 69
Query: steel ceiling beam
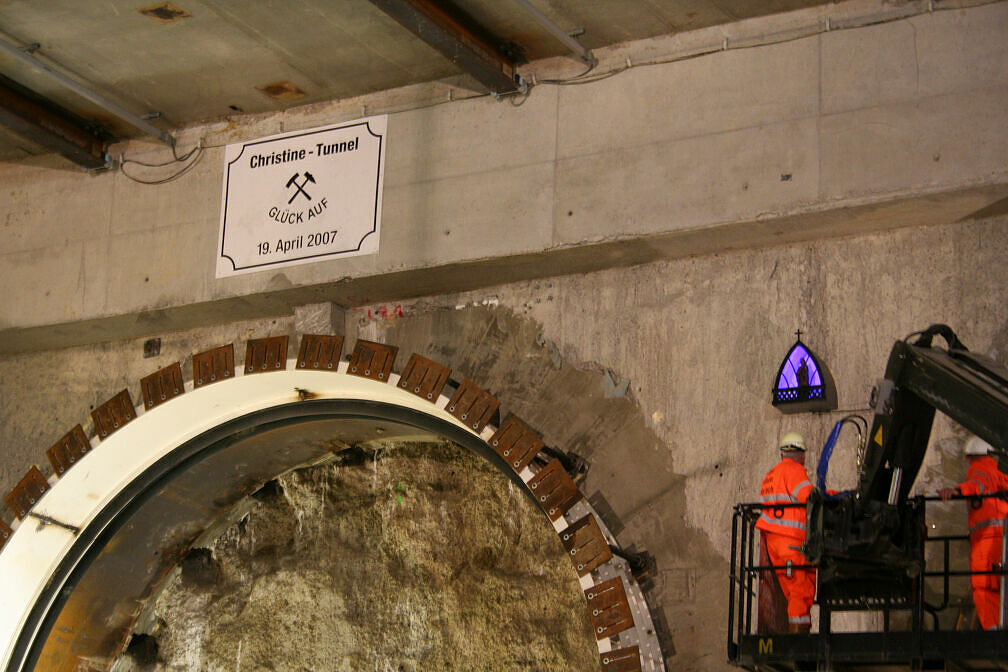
column 445, row 28
column 46, row 124
column 28, row 58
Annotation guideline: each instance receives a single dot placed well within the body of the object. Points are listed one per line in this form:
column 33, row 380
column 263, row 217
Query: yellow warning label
column 878, row 436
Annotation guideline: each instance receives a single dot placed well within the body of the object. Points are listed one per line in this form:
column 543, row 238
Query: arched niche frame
column 101, row 535
column 803, row 382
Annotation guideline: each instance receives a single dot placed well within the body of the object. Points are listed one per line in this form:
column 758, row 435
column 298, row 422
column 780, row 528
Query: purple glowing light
column 799, row 370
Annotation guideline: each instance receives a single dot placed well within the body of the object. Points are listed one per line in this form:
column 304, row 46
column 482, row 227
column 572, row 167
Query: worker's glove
column 947, row 493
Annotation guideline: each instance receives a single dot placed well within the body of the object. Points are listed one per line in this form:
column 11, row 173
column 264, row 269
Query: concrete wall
column 889, row 125
column 698, row 341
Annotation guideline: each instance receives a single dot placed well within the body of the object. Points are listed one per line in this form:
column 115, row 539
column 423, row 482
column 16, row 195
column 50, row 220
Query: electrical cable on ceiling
column 588, row 70
column 177, row 158
column 196, row 152
column 518, row 99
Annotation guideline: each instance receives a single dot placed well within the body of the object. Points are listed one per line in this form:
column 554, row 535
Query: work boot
column 799, row 628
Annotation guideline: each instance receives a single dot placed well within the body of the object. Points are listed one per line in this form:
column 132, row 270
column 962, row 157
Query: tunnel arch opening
column 241, row 422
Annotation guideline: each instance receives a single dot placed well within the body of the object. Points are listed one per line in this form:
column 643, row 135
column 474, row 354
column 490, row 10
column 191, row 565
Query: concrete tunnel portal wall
column 97, row 538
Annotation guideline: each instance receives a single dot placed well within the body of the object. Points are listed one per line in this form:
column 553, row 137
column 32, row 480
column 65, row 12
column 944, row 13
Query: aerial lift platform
column 875, row 561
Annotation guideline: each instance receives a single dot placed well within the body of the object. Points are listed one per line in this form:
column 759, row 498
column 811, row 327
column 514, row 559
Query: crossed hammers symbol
column 300, row 190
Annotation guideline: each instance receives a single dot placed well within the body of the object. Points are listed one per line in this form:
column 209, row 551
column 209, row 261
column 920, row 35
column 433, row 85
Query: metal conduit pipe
column 18, row 52
column 584, row 54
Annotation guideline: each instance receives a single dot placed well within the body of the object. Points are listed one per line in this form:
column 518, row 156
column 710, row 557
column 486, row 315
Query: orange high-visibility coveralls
column 784, row 531
column 986, row 525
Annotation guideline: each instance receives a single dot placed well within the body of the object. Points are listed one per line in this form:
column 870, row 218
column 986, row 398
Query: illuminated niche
column 803, row 382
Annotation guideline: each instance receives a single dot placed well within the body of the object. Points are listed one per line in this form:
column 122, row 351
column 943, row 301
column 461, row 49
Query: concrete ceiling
column 189, row 61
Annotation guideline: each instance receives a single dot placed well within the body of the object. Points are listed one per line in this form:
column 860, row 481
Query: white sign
column 301, row 197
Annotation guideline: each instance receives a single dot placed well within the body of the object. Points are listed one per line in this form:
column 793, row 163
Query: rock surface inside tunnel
column 417, row 556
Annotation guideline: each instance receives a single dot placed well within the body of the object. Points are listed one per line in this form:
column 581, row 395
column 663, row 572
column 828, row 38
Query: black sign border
column 227, row 183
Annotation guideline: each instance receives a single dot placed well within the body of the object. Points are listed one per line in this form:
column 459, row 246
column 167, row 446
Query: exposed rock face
column 412, row 558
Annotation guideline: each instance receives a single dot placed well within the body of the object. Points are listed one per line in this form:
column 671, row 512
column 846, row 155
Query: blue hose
column 824, row 458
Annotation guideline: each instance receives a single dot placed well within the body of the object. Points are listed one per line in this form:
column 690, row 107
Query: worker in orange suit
column 986, row 525
column 783, row 529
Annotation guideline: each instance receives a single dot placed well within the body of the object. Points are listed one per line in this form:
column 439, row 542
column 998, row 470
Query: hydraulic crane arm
column 868, row 543
column 969, row 388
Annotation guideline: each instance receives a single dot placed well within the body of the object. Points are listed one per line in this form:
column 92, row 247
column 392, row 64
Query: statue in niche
column 803, row 376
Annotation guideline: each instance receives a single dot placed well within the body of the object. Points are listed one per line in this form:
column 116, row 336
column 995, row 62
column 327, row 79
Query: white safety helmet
column 792, row 441
column 977, row 447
